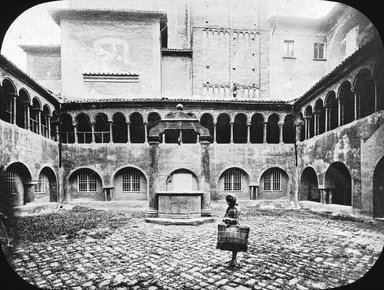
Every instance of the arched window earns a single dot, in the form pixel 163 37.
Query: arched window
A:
pixel 379 82
pixel 320 117
pixel 67 134
pixel 119 128
pixel 206 120
pixel 84 185
pixel 84 128
pixel 223 127
pixel 137 134
pixel 54 123
pixel 273 130
pixel 240 129
pixel 301 127
pixel 347 103
pixel 102 134
pixel 129 184
pixel 257 128
pixel 365 90
pixel 332 110
pixel 232 180
pixel 35 116
pixel 22 109
pixel 45 116
pixel 309 124
pixel 273 184
pixel 288 130
pixel 7 104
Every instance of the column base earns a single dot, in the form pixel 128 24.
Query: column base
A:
pixel 151 213
pixel 206 212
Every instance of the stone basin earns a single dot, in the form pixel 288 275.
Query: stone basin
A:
pixel 179 205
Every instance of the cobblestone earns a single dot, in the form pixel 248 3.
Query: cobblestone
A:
pixel 286 251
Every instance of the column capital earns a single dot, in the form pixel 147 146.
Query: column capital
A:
pixel 281 123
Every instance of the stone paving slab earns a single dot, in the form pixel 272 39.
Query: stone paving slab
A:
pixel 286 251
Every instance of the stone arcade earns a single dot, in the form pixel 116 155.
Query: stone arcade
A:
pixel 275 108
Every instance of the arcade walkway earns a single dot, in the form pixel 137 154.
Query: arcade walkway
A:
pixel 288 249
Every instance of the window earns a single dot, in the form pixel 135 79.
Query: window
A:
pixel 272 180
pixel 131 181
pixel 289 48
pixel 319 50
pixel 41 186
pixel 10 182
pixel 232 180
pixel 86 182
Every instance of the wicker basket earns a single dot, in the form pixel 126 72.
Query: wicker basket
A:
pixel 232 238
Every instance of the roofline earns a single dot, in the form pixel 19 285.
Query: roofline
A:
pixel 58 13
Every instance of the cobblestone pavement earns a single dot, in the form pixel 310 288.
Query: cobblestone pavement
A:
pixel 286 251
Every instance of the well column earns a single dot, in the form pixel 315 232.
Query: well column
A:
pixel 205 178
pixel 153 176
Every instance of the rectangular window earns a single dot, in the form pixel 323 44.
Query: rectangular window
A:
pixel 319 50
pixel 131 182
pixel 41 186
pixel 10 182
pixel 272 181
pixel 289 48
pixel 232 180
pixel 86 182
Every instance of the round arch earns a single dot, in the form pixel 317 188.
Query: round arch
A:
pixel 309 186
pixel 234 180
pixel 183 180
pixel 47 189
pixel 274 183
pixel 84 184
pixel 129 183
pixel 378 189
pixel 338 183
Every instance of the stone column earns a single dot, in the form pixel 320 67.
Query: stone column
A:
pixel 29 191
pixel 49 127
pixel 248 133
pixel 298 129
pixel 38 121
pixel 330 191
pixel 327 119
pixel 265 132
pixel 57 132
pixel 339 113
pixel 214 133
pixel 128 132
pixel 306 125
pixel 93 132
pixel 356 100
pixel 205 179
pixel 322 195
pixel 75 133
pixel 153 178
pixel 26 116
pixel 256 192
pixel 145 132
pixel 281 124
pixel 231 133
pixel 316 119
pixel 13 120
pixel 110 131
pixel 376 96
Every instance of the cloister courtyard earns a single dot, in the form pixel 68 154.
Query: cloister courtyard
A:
pixel 86 247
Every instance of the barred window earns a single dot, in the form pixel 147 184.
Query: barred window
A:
pixel 41 186
pixel 86 182
pixel 131 181
pixel 10 182
pixel 272 180
pixel 232 180
pixel 319 50
pixel 289 50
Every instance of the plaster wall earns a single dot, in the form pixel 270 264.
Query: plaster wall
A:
pixel 176 74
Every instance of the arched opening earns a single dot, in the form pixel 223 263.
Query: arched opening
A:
pixel 320 117
pixel 234 181
pixel 137 134
pixel 378 189
pixel 332 109
pixel 365 90
pixel 129 184
pixel 84 129
pixel 46 188
pixel 338 184
pixel 119 128
pixel 22 109
pixel 85 185
pixel 273 130
pixel 182 180
pixel 206 120
pixel 102 134
pixel 309 124
pixel 301 127
pixel 379 81
pixel 15 186
pixel 35 116
pixel 347 103
pixel 67 134
pixel 240 129
pixel 9 92
pixel 257 128
pixel 223 127
pixel 273 184
pixel 309 188
pixel 288 130
pixel 54 123
pixel 45 116
pixel 153 120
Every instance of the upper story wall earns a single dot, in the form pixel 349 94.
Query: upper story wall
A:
pixel 97 48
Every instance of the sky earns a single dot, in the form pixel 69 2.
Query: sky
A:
pixel 36 27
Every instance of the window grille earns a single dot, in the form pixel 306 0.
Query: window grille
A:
pixel 10 185
pixel 319 50
pixel 86 182
pixel 131 181
pixel 272 180
pixel 289 48
pixel 41 186
pixel 232 180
